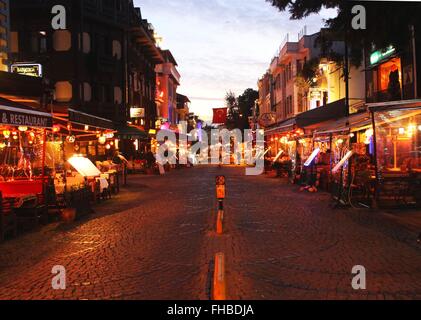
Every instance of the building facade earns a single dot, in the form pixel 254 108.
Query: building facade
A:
pixel 4 35
pixel 143 56
pixel 286 90
pixel 183 107
pixel 168 80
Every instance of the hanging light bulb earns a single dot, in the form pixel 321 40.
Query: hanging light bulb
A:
pixel 56 128
pixel 102 139
pixel 6 134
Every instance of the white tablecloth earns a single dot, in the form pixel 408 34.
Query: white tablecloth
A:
pixel 103 184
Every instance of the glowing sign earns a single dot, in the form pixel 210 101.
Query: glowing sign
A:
pixel 381 54
pixel 27 69
pixel 312 157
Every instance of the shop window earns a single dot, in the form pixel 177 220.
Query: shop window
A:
pixel 62 40
pixel 390 79
pixel 398 141
pixel 86 42
pixel 117 49
pixel 64 91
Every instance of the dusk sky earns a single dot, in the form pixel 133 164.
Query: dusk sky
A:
pixel 222 45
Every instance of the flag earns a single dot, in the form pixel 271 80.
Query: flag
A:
pixel 220 116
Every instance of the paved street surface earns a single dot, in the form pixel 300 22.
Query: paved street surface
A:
pixel 156 240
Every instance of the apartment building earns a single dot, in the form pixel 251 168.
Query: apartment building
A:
pixel 168 80
pixel 4 35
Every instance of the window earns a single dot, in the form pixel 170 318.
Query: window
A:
pixel 62 40
pixel 64 91
pixel 116 49
pixel 118 97
pixel 87 91
pixel 14 42
pixel 86 42
pixel 38 42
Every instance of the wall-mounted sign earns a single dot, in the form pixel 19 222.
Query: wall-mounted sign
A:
pixel 137 113
pixel 27 69
pixel 380 55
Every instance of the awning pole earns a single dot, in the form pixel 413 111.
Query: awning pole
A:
pixel 44 148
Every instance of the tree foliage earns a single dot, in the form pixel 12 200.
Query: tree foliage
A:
pixel 240 108
pixel 388 23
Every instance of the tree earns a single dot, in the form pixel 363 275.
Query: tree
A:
pixel 246 103
pixel 240 108
pixel 388 23
pixel 233 115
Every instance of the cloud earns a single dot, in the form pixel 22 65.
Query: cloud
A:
pixel 222 45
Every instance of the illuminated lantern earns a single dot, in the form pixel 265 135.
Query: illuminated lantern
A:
pixel 419 128
pixel 71 139
pixel 102 139
pixel 107 146
pixel 6 134
pixel 56 128
pixel 23 129
pixel 69 127
pixel 32 135
pixel 401 130
pixel 86 128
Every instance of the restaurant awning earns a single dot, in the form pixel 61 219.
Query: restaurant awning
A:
pixel 14 114
pixel 89 120
pixel 131 132
pixel 353 123
pixel 281 127
pixel 334 110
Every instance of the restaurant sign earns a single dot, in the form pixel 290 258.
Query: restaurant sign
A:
pixel 137 113
pixel 26 118
pixel 380 55
pixel 27 69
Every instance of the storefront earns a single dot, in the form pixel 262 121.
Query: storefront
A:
pixel 397 137
pixel 281 144
pixel 23 174
pixel 80 135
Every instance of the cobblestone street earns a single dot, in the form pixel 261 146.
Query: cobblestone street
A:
pixel 156 240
